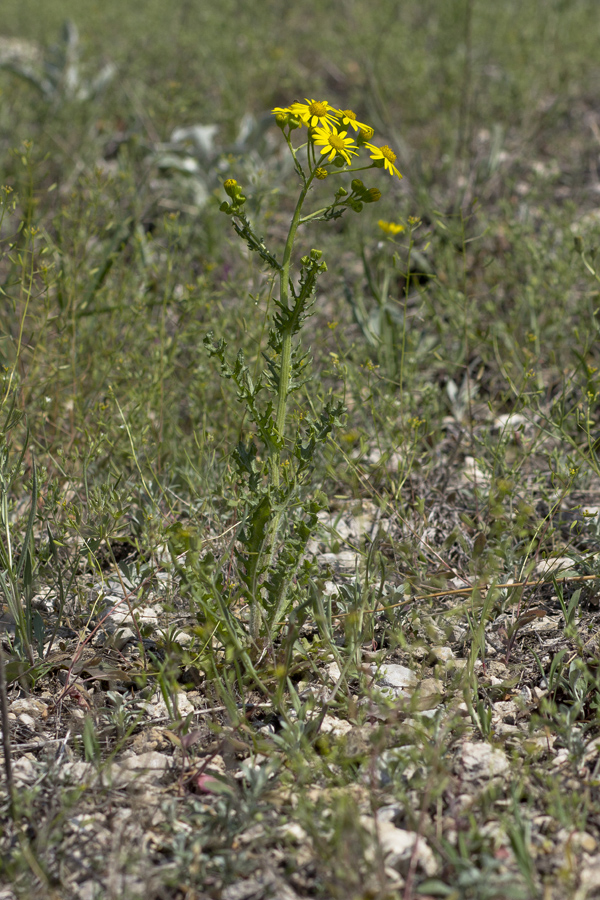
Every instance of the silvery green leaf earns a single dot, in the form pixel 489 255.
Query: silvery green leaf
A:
pixel 44 85
pixel 247 126
pixel 374 322
pixel 17 50
pixel 186 164
pixel 202 136
pixel 199 191
pixel 95 85
pixel 251 131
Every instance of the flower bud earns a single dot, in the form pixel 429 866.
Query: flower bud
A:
pixel 372 195
pixel 232 188
pixel 341 192
pixel 339 161
pixel 357 185
pixel 356 205
pixel 365 134
pixel 321 173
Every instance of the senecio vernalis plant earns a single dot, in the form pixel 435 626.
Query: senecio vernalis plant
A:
pixel 278 520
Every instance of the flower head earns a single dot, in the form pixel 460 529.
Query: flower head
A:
pixel 321 173
pixel 335 144
pixel 315 113
pixel 384 157
pixel 390 227
pixel 284 115
pixel 348 117
pixel 372 195
pixel 281 111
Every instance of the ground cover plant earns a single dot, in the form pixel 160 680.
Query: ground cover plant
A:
pixel 299 564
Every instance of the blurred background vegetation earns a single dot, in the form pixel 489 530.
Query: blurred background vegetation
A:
pixel 491 110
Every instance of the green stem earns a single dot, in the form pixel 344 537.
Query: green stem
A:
pixel 286 357
pixel 286 347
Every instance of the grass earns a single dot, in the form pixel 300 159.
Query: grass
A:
pixel 460 482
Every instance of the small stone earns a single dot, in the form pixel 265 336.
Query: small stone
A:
pixel 395 676
pixel 496 669
pixel 145 615
pixel 458 664
pixel 481 760
pixel 589 879
pixel 539 742
pixel 431 691
pixel 577 840
pixel 121 638
pixel 505 711
pixel 473 474
pixel 398 846
pixel 510 422
pixel 441 654
pixel 292 831
pixel 25 771
pixel 150 760
pixel 333 672
pixel 156 708
pixel 184 639
pixel 345 562
pixel 27 720
pixel 554 565
pixel 561 758
pixel 335 726
pixel 357 743
pixel 29 706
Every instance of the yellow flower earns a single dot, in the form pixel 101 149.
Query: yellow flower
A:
pixel 321 173
pixel 334 143
pixel 390 227
pixel 384 157
pixel 315 113
pixel 285 116
pixel 349 118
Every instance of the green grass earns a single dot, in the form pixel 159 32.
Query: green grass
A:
pixel 466 352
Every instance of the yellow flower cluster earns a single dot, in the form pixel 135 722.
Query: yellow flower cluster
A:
pixel 327 123
pixel 390 227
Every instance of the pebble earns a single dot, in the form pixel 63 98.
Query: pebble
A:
pixel 398 846
pixel 577 840
pixel 395 676
pixel 441 654
pixel 553 565
pixel 481 760
pixel 29 706
pixel 430 693
pixel 335 726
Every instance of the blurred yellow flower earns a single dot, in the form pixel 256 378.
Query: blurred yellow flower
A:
pixel 390 227
pixel 315 113
pixel 384 157
pixel 334 143
pixel 349 118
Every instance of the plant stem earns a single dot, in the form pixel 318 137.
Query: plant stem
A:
pixel 10 788
pixel 286 357
pixel 286 347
